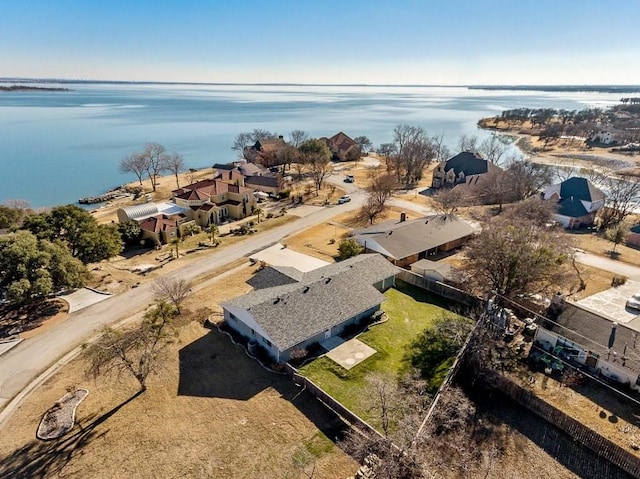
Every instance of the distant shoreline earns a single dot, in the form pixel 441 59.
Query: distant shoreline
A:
pixel 30 88
pixel 547 88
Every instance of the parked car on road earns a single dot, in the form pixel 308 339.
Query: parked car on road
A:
pixel 344 199
pixel 349 179
pixel 634 302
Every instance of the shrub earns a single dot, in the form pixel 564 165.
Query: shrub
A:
pixel 284 194
pixel 618 281
pixel 348 248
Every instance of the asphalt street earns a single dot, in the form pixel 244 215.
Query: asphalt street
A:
pixel 25 362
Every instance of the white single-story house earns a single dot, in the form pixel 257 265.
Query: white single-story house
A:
pixel 603 346
pixel 290 310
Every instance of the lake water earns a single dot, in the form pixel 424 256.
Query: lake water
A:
pixel 56 147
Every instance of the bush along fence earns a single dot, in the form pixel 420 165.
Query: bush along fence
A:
pixel 602 446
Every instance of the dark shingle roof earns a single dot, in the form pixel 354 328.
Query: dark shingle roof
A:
pixel 292 313
pixel 571 207
pixel 593 333
pixel 271 276
pixel 580 189
pixel 467 162
pixel 401 239
pixel 271 181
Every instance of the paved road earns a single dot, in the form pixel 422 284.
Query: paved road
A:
pixel 21 365
pixel 607 264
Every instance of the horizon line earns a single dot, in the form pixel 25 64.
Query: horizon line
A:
pixel 162 82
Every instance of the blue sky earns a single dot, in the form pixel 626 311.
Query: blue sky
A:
pixel 324 41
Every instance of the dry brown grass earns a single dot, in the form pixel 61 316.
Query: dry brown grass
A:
pixel 210 412
pixel 597 245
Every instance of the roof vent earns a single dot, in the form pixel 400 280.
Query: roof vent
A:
pixel 426 222
pixel 327 281
pixel 390 232
pixel 276 301
pixel 306 289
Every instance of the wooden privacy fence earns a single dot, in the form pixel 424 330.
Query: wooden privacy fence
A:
pixel 441 289
pixel 625 460
pixel 329 401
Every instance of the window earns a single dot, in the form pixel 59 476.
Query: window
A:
pixel 233 317
pixel 266 341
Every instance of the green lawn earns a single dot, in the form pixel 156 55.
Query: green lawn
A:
pixel 410 311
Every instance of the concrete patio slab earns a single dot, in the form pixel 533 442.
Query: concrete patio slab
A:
pixel 83 298
pixel 612 302
pixel 350 353
pixel 279 255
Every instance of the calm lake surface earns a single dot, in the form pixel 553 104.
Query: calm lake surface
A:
pixel 56 147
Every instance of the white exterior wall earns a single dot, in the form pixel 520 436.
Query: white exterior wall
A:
pixel 245 325
pixel 565 221
pixel 616 372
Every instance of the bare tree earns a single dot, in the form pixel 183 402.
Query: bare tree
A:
pixel 516 258
pixel 172 290
pixel 134 163
pixel 447 201
pixel 397 408
pixel 468 143
pixel 297 138
pixel 364 144
pixel 388 151
pixel 527 178
pixel 318 158
pixel 135 351
pixel 370 210
pixel 155 160
pixel 440 149
pixel 622 198
pixel 241 141
pixel 493 149
pixel 495 187
pixel 414 153
pixel 175 164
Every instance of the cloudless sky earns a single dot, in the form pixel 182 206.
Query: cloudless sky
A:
pixel 324 41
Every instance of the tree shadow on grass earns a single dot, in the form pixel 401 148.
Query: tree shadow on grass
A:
pixel 49 458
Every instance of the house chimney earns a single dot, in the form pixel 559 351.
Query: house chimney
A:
pixel 403 217
pixel 281 137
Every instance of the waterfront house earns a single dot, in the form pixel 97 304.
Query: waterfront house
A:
pixel 465 168
pixel 578 202
pixel 214 201
pixel 343 147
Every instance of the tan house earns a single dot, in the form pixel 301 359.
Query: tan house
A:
pixel 342 147
pixel 214 201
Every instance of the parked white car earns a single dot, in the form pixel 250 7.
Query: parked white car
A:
pixel 344 199
pixel 634 302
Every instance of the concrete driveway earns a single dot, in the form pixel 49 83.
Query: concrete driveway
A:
pixel 280 255
pixel 612 302
pixel 83 298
